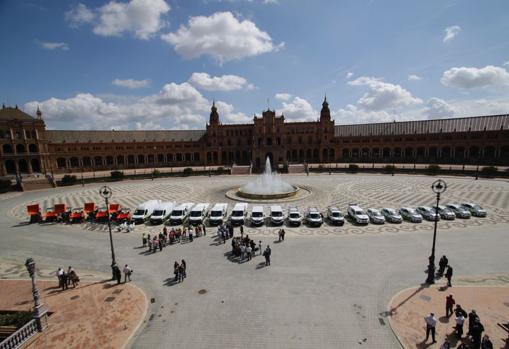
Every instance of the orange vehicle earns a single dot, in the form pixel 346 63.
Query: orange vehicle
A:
pixel 89 210
pixel 124 215
pixel 34 211
pixel 50 215
pixel 77 216
pixel 62 212
pixel 101 214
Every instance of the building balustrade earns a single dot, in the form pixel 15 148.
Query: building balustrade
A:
pixel 18 338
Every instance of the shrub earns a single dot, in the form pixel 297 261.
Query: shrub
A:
pixel 433 169
pixel 117 175
pixel 353 168
pixel 68 179
pixel 156 173
pixel 220 170
pixel 188 171
pixel 320 168
pixel 390 168
pixel 5 185
pixel 489 171
pixel 17 318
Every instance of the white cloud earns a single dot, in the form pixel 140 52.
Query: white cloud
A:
pixel 221 36
pixel 348 75
pixel 175 106
pixel 148 126
pixel 131 83
pixel 506 64
pixel 142 18
pixel 54 45
pixel 78 15
pixel 451 32
pixel 438 108
pixel 206 82
pixel 351 114
pixel 283 96
pixel 482 106
pixel 298 109
pixel 414 77
pixel 382 95
pixel 471 77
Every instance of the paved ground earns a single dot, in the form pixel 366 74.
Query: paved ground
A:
pixel 93 315
pixel 326 288
pixel 409 308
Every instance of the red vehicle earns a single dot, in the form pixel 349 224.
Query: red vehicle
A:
pixel 34 211
pixel 50 215
pixel 89 210
pixel 101 214
pixel 62 212
pixel 77 216
pixel 114 210
pixel 124 215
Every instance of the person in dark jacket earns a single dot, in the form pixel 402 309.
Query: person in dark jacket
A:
pixel 449 303
pixel 442 265
pixel 117 273
pixel 448 275
pixel 476 333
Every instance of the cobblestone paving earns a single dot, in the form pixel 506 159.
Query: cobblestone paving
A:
pixel 368 191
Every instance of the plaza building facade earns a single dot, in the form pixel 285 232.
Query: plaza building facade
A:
pixel 26 146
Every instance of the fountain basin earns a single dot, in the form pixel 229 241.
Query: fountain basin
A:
pixel 267 196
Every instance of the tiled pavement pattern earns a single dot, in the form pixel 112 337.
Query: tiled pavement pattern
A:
pixel 322 291
pixel 368 191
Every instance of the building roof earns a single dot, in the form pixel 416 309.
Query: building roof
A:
pixel 9 113
pixel 478 123
pixel 58 136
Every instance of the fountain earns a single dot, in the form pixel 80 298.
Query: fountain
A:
pixel 267 186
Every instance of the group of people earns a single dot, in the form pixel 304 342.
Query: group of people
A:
pixel 475 327
pixel 174 235
pixel 126 226
pixel 225 231
pixel 65 279
pixel 179 270
pixel 117 273
pixel 245 248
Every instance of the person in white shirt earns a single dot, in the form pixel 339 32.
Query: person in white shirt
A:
pixel 460 320
pixel 431 323
pixel 127 273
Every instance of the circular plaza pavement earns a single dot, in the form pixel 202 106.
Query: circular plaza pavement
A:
pixel 327 287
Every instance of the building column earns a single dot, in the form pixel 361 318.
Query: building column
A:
pixel 29 165
pixel 3 170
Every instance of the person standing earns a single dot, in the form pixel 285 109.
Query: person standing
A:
pixel 486 342
pixel 448 275
pixel 471 320
pixel 60 274
pixel 241 231
pixel 431 323
pixel 279 235
pixel 144 240
pixel 267 254
pixel 184 266
pixel 204 229
pixel 476 333
pixel 442 265
pixel 260 246
pixel 65 280
pixel 283 234
pixel 117 273
pixel 460 320
pixel 181 273
pixel 449 303
pixel 127 273
pixel 176 268
pixel 248 252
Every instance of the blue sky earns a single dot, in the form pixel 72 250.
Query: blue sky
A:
pixel 150 64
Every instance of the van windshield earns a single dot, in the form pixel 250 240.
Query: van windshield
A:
pixel 256 214
pixel 158 213
pixel 294 215
pixel 314 215
pixel 237 214
pixel 177 213
pixel 139 212
pixel 336 214
pixel 277 214
pixel 195 214
pixel 216 214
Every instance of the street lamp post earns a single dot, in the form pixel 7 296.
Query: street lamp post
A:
pixel 438 188
pixel 40 313
pixel 106 194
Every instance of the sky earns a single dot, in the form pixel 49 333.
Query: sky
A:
pixel 160 64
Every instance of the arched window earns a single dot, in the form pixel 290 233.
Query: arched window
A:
pixel 446 152
pixel 179 157
pixel 346 153
pixel 87 162
pixel 130 159
pixel 98 161
pixel 22 165
pixel 10 166
pixel 474 152
pixel 32 148
pixel 61 163
pixel 386 152
pixel 120 159
pixel 141 159
pixel 20 148
pixel 196 156
pixel 35 165
pixel 74 162
pixel 7 149
pixel 160 158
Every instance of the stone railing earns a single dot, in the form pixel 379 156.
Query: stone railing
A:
pixel 19 337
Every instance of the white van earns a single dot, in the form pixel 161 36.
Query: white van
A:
pixel 198 213
pixel 144 210
pixel 218 214
pixel 239 213
pixel 357 214
pixel 180 213
pixel 314 217
pixel 294 216
pixel 257 216
pixel 335 216
pixel 276 215
pixel 162 212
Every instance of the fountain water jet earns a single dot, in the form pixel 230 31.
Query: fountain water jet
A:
pixel 267 186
